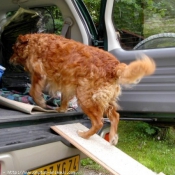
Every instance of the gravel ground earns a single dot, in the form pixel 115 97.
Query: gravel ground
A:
pixel 87 170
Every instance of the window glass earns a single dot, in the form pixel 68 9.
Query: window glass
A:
pixel 57 18
pixel 94 9
pixel 145 24
pixel 50 17
pixel 24 21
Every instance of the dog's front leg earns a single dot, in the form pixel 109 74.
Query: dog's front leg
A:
pixel 66 95
pixel 38 82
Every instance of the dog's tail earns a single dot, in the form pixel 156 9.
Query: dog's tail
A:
pixel 136 70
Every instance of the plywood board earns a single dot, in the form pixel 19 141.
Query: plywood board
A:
pixel 98 149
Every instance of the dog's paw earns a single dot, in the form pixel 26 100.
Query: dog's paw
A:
pixel 83 134
pixel 43 105
pixel 61 110
pixel 80 133
pixel 114 140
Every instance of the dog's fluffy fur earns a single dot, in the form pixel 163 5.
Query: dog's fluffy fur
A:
pixel 92 74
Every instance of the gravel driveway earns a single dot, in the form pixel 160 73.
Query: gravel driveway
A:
pixel 86 170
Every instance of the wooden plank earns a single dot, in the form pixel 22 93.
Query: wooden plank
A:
pixel 98 149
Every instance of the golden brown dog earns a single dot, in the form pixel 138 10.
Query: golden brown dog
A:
pixel 92 74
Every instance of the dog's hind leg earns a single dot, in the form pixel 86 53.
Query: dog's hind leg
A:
pixel 95 117
pixel 93 111
pixel 114 118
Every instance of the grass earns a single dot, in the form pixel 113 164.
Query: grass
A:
pixel 152 146
pixel 154 150
pixel 92 165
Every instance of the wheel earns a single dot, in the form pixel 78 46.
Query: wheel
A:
pixel 161 40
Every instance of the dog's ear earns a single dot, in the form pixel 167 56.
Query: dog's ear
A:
pixel 23 39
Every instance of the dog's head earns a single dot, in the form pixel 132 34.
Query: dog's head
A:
pixel 20 50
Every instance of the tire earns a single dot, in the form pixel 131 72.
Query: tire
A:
pixel 161 40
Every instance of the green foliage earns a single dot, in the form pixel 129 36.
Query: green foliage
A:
pixel 88 161
pixel 132 14
pixel 144 17
pixel 57 17
pixel 128 15
pixel 146 129
pixel 10 14
pixel 166 134
pixel 93 8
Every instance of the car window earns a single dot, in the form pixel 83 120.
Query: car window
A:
pixel 144 24
pixel 94 9
pixel 29 20
pixel 50 17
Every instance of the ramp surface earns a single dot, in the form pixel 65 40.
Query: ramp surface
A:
pixel 98 149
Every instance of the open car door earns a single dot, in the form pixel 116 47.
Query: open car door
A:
pixel 127 31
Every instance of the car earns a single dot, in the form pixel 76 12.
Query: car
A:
pixel 147 32
pixel 26 141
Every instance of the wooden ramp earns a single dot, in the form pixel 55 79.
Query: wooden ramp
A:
pixel 98 149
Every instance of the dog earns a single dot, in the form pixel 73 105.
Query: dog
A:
pixel 91 74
